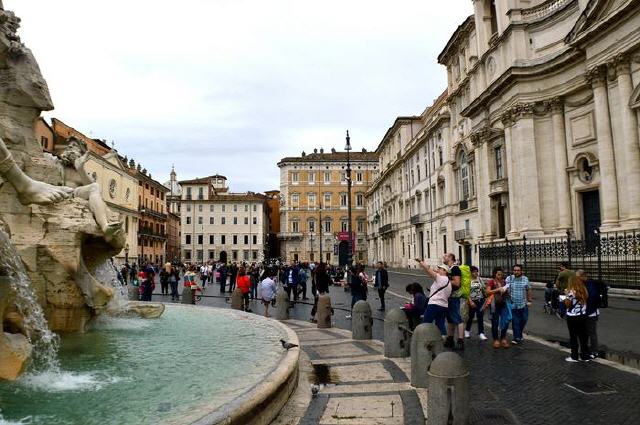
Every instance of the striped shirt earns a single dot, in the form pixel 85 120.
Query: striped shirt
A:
pixel 518 287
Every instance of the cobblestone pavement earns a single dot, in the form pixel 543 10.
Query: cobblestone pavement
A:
pixel 529 384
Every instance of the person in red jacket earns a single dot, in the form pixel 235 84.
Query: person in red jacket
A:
pixel 243 282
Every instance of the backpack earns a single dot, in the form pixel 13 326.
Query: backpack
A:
pixel 465 281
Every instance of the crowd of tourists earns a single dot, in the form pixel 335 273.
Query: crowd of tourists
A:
pixel 458 296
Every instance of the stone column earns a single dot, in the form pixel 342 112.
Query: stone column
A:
pixel 630 131
pixel 560 153
pixel 526 167
pixel 606 159
pixel 482 183
pixel 507 121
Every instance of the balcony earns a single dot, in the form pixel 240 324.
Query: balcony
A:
pixel 149 232
pixel 463 234
pixel 418 219
pixel 464 205
pixel 387 228
pixel 152 213
pixel 497 187
pixel 290 235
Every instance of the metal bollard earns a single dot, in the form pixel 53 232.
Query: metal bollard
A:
pixel 361 321
pixel 236 299
pixel 323 311
pixel 448 401
pixel 282 305
pixel 133 293
pixel 426 344
pixel 397 337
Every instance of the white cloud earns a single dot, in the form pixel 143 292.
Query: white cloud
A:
pixel 231 86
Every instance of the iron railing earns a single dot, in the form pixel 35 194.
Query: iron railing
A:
pixel 613 258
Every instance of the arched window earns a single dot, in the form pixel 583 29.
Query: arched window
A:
pixel 464 176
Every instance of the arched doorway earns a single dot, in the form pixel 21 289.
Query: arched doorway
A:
pixel 223 257
pixel 343 253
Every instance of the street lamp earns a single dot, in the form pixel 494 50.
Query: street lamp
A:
pixel 350 246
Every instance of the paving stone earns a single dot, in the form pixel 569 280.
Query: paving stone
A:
pixel 356 373
pixel 384 409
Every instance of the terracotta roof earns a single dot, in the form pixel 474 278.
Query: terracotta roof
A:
pixel 331 157
pixel 202 180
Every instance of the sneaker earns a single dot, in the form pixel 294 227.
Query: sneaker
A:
pixel 515 342
pixel 460 344
pixel 571 360
pixel 585 360
pixel 448 343
pixel 348 316
pixel 482 337
pixel 467 334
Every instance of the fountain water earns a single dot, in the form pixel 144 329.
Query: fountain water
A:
pixel 45 343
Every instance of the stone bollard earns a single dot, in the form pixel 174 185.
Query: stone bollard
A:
pixel 361 321
pixel 397 338
pixel 187 296
pixel 236 299
pixel 282 305
pixel 323 311
pixel 133 293
pixel 426 344
pixel 448 401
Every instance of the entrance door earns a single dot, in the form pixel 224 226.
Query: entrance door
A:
pixel 501 220
pixel 223 257
pixel 467 255
pixel 421 236
pixel 343 253
pixel 591 215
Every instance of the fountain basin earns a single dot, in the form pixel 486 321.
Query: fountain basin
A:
pixel 196 365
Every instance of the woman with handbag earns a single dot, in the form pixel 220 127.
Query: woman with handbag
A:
pixel 576 302
pixel 498 305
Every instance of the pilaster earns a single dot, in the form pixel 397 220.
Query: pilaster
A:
pixel 556 106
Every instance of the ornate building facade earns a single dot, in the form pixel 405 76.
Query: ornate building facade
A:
pixel 535 136
pixel 313 205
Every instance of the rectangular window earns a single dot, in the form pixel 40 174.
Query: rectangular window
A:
pixel 255 208
pixel 211 220
pixel 246 207
pixel 199 220
pixel 360 226
pixel 343 199
pixel 211 255
pixel 235 239
pixel 359 200
pixel 200 239
pixel 188 220
pixel 255 220
pixel 359 176
pixel 327 176
pixel 187 254
pixel 245 255
pixel 224 220
pixel 235 207
pixel 234 255
pixel 187 239
pixel 295 226
pixel 223 240
pixel 312 177
pixel 327 226
pixel 200 193
pixel 223 207
pixel 246 239
pixel 211 208
pixel 254 239
pixel 327 200
pixel 343 176
pixel 344 226
pixel 311 199
pixel 294 177
pixel 235 220
pixel 295 200
pixel 312 226
pixel 246 220
pixel 188 207
pixel 254 255
pixel 499 168
pixel 211 240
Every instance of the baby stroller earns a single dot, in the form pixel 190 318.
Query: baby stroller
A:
pixel 551 301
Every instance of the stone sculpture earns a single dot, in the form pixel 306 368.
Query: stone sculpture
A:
pixel 60 234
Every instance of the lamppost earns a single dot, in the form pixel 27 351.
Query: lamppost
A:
pixel 350 246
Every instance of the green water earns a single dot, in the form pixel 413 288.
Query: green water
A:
pixel 134 371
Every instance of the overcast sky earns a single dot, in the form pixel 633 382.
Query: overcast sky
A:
pixel 232 86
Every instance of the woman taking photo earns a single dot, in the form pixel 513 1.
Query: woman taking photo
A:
pixel 575 300
pixel 439 293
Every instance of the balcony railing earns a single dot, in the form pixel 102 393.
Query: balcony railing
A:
pixel 464 204
pixel 290 235
pixel 152 213
pixel 147 231
pixel 418 219
pixel 387 228
pixel 462 234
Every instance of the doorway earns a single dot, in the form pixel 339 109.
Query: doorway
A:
pixel 421 236
pixel 591 216
pixel 343 253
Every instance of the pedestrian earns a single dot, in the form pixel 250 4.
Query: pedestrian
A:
pixel 223 277
pixel 303 276
pixel 415 309
pixel 594 302
pixel 174 278
pixel 233 273
pixel 561 282
pixel 164 281
pixel 255 280
pixel 476 304
pixel 189 285
pixel 455 324
pixel 268 290
pixel 381 283
pixel 520 296
pixel 498 307
pixel 358 286
pixel 244 284
pixel 322 283
pixel 575 300
pixel 439 293
pixel 148 284
pixel 204 274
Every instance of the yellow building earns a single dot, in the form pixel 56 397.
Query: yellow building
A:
pixel 313 205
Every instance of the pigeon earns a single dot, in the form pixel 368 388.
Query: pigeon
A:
pixel 287 345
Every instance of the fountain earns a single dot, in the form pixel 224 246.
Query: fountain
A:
pixel 113 364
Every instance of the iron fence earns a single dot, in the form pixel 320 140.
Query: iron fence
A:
pixel 613 258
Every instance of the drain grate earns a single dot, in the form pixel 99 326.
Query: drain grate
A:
pixel 592 387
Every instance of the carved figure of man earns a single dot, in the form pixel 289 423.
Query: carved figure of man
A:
pixel 73 159
pixel 29 191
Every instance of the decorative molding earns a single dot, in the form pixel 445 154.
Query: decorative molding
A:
pixel 555 105
pixel 597 76
pixel 543 10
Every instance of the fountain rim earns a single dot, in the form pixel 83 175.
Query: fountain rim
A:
pixel 262 402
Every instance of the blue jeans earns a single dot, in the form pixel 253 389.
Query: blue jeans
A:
pixel 476 312
pixel 520 317
pixel 438 314
pixel 497 332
